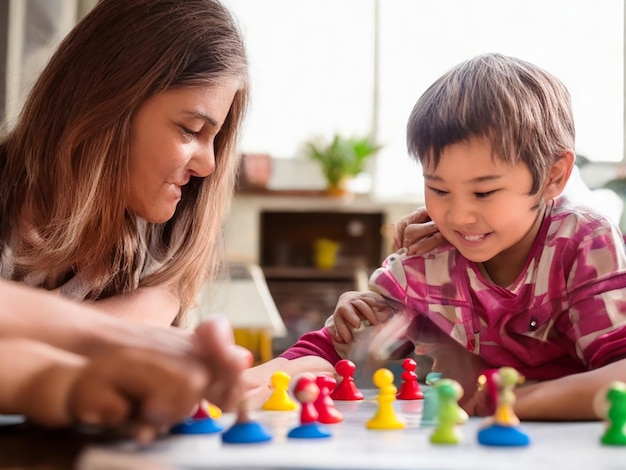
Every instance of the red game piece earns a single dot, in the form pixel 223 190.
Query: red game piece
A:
pixel 306 392
pixel 201 412
pixel 327 412
pixel 346 389
pixel 410 388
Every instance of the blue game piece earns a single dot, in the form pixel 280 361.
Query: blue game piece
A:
pixel 246 433
pixel 309 431
pixel 503 436
pixel 197 426
pixel 430 408
pixel 432 377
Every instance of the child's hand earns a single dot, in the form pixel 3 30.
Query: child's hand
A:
pixel 417 233
pixel 353 308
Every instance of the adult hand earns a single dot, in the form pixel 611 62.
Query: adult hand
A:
pixel 224 361
pixel 417 233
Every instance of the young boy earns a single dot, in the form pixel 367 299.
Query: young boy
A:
pixel 524 278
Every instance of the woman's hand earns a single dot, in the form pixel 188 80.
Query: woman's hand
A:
pixel 417 233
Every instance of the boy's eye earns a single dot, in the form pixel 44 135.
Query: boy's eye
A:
pixel 484 195
pixel 438 192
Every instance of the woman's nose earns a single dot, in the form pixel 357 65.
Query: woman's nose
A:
pixel 203 162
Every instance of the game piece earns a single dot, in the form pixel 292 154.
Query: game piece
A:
pixel 324 405
pixel 206 410
pixel 410 388
pixel 245 430
pixel 346 389
pixel 200 422
pixel 385 417
pixel 306 391
pixel 280 399
pixel 430 406
pixel 503 428
pixel 612 401
pixel 450 414
pixel 214 411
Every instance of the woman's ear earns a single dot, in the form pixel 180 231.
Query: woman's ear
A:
pixel 559 174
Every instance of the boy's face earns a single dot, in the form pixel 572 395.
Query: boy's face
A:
pixel 483 207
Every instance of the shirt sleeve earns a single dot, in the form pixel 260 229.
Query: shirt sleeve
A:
pixel 596 319
pixel 315 343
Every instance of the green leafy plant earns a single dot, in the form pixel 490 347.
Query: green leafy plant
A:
pixel 341 158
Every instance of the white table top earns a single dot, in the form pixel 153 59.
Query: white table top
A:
pixel 353 446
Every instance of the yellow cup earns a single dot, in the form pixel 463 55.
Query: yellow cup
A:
pixel 326 253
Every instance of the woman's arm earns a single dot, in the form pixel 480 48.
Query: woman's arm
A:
pixel 77 327
pixel 36 379
pixel 153 305
pixel 139 389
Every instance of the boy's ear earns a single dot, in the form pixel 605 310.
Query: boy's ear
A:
pixel 559 174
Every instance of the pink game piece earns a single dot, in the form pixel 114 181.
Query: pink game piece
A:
pixel 346 389
pixel 328 413
pixel 410 388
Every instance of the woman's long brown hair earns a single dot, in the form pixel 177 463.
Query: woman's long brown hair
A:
pixel 64 166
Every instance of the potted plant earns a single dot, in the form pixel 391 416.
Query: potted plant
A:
pixel 341 159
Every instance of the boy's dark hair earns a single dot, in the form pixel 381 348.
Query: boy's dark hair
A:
pixel 524 111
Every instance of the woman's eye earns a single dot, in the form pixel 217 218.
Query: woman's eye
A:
pixel 188 131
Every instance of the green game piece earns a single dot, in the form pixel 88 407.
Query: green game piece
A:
pixel 615 434
pixel 450 413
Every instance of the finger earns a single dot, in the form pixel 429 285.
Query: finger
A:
pixel 426 244
pixel 97 404
pixel 223 359
pixel 343 331
pixel 332 329
pixel 419 216
pixel 366 312
pixel 380 310
pixel 414 232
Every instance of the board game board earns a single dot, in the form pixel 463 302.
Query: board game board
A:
pixel 353 446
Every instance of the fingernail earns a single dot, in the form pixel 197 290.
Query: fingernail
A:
pixel 242 354
pixel 145 434
pixel 90 418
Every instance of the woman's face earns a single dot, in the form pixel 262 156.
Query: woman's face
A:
pixel 172 139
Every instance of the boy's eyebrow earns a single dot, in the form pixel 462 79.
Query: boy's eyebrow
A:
pixel 204 117
pixel 479 179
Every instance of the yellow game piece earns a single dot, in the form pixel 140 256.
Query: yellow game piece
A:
pixel 280 399
pixel 385 417
pixel 214 411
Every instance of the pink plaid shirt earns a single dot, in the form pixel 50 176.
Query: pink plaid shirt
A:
pixel 565 313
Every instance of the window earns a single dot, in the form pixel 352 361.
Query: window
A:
pixel 358 66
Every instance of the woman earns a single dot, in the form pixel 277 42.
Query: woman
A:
pixel 118 172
